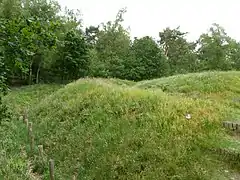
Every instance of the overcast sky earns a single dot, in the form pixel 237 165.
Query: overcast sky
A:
pixel 148 17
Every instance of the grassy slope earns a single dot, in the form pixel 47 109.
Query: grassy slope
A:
pixel 26 97
pixel 96 128
pixel 222 87
pixel 219 87
pixel 13 159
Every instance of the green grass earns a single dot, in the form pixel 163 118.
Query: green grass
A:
pixel 220 87
pixel 13 161
pixel 26 97
pixel 13 152
pixel 205 82
pixel 117 129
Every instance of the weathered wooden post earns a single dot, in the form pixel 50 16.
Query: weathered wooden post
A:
pixel 40 150
pixel 26 122
pixel 30 135
pixel 51 169
pixel 74 177
pixel 25 114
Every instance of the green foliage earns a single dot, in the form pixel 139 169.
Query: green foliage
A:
pixel 91 35
pixel 28 96
pixel 179 52
pixel 217 50
pixel 147 60
pixel 205 82
pixel 25 37
pixel 40 44
pixel 112 49
pixel 73 61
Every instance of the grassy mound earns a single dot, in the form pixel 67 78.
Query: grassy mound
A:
pixel 221 87
pixel 99 130
pixel 117 129
pixel 205 82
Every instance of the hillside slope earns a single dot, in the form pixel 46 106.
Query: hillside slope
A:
pixel 96 129
pixel 114 129
pixel 205 82
pixel 221 87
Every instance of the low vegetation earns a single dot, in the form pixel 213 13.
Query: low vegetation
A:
pixel 14 161
pixel 114 129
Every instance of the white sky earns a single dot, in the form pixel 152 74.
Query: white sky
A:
pixel 151 16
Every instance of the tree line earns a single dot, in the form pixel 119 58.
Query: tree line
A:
pixel 40 42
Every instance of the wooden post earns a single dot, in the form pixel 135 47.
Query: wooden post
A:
pixel 21 118
pixel 24 114
pixel 40 149
pixel 74 177
pixel 229 125
pixel 29 129
pixel 32 143
pixel 51 169
pixel 30 135
pixel 26 122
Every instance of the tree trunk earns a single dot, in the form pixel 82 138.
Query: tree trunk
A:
pixel 37 76
pixel 30 74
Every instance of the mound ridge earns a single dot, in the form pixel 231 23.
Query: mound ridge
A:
pixel 205 82
pixel 97 129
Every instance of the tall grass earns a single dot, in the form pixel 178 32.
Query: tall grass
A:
pixel 109 132
pixel 114 129
pixel 14 163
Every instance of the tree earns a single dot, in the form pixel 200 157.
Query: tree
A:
pixel 112 47
pixel 216 49
pixel 40 43
pixel 73 61
pixel 234 54
pixel 3 107
pixel 179 52
pixel 91 34
pixel 27 36
pixel 147 62
pixel 44 31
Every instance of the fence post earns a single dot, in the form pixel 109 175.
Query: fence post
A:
pixel 74 177
pixel 30 135
pixel 26 122
pixel 40 149
pixel 51 169
pixel 24 114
